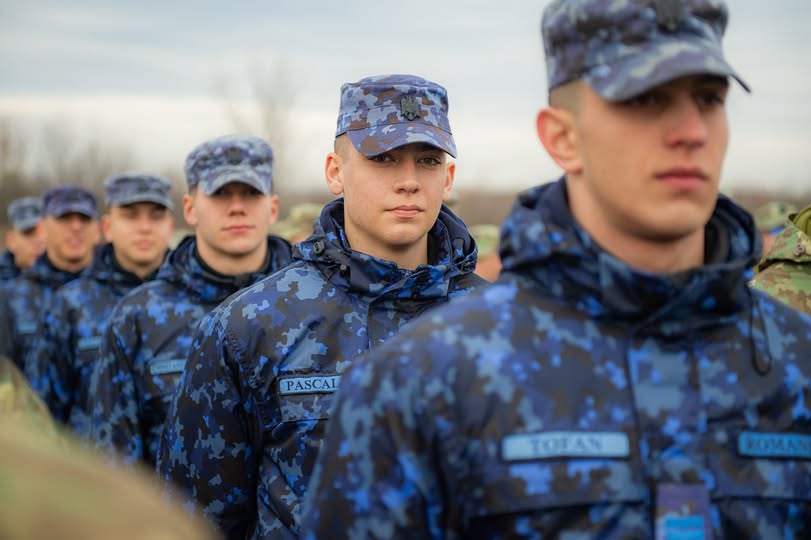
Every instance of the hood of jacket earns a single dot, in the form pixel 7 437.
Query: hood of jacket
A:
pixel 8 270
pixel 184 269
pixel 541 239
pixel 106 270
pixel 44 273
pixel 367 276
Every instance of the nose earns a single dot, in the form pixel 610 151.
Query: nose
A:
pixel 236 203
pixel 688 125
pixel 407 177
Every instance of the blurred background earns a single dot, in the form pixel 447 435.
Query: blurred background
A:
pixel 91 88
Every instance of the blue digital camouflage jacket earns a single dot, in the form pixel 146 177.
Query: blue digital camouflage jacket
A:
pixel 8 270
pixel 146 343
pixel 578 398
pixel 242 436
pixel 72 335
pixel 23 301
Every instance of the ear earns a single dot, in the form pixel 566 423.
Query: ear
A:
pixel 105 227
pixel 450 172
pixel 333 170
pixel 274 209
pixel 556 129
pixel 189 213
pixel 10 241
pixel 96 231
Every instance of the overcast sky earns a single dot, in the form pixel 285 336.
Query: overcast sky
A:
pixel 145 74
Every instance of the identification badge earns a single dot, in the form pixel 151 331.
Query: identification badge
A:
pixel 683 512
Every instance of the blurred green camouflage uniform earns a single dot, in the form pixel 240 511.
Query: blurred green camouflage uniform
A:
pixel 52 487
pixel 298 224
pixel 785 271
pixel 19 402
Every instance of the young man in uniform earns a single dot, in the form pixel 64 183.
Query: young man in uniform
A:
pixel 138 226
pixel 244 431
pixel 71 234
pixel 231 206
pixel 25 241
pixel 619 379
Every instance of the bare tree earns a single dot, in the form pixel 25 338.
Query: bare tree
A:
pixel 267 113
pixel 65 158
pixel 15 152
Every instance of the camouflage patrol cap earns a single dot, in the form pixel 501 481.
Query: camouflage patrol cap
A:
pixel 385 112
pixel 131 188
pixel 232 158
pixel 67 199
pixel 773 215
pixel 626 47
pixel 25 213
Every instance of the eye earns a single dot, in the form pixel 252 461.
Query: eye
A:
pixel 711 97
pixel 432 161
pixel 646 99
pixel 381 158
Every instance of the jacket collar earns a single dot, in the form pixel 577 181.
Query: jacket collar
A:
pixel 542 240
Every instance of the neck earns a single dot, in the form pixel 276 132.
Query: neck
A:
pixel 140 270
pixel 231 265
pixel 408 258
pixel 640 249
pixel 72 266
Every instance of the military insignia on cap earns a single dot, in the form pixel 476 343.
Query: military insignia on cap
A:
pixel 669 14
pixel 142 184
pixel 233 155
pixel 409 108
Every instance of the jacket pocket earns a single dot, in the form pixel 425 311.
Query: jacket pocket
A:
pixel 762 488
pixel 605 497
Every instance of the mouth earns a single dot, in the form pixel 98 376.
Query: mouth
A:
pixel 406 210
pixel 683 177
pixel 238 228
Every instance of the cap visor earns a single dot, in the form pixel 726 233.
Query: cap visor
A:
pixel 638 72
pixel 379 139
pixel 229 176
pixel 77 209
pixel 25 224
pixel 146 198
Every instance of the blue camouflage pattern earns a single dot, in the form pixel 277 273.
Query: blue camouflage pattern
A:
pixel 231 158
pixel 25 213
pixel 146 343
pixel 384 112
pixel 626 47
pixel 23 301
pixel 69 198
pixel 135 187
pixel 552 403
pixel 249 416
pixel 8 270
pixel 73 330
